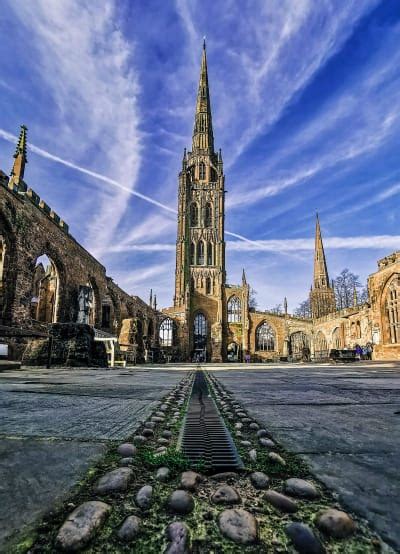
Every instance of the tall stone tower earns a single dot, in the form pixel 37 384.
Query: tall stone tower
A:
pixel 200 245
pixel 322 295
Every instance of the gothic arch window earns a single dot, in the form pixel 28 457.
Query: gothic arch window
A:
pixel 194 214
pixel 2 273
pixel 208 215
pixel 208 285
pixel 213 175
pixel 321 346
pixel 358 330
pixel 45 290
pixel 336 339
pixel 166 332
pixel 192 254
pixel 202 171
pixel 200 253
pixel 265 337
pixel 234 310
pixel 200 329
pixel 210 253
pixel 393 310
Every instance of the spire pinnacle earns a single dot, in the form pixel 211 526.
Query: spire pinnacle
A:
pixel 203 138
pixel 18 170
pixel 321 278
pixel 151 298
pixel 244 280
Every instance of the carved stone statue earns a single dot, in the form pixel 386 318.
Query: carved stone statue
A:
pixel 85 301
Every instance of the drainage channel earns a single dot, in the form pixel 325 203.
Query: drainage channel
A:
pixel 205 437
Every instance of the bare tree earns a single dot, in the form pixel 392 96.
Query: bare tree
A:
pixel 304 309
pixel 276 309
pixel 344 285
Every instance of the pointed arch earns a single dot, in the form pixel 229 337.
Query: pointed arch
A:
pixel 202 171
pixel 234 310
pixel 208 210
pixel 265 337
pixel 166 333
pixel 194 214
pixel 192 253
pixel 210 253
pixel 392 310
pixel 200 253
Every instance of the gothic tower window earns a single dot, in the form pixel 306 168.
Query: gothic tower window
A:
pixel 200 253
pixel 166 332
pixel 208 285
pixel 265 337
pixel 194 214
pixel 209 253
pixel 234 310
pixel 200 332
pixel 208 215
pixel 202 171
pixel 393 310
pixel 192 254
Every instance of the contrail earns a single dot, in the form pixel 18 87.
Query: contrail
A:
pixel 40 152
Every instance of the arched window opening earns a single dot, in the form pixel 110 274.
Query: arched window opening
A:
pixel 87 304
pixel 200 253
pixel 208 215
pixel 299 346
pixel 210 253
pixel 166 332
pixel 45 286
pixel 200 332
pixel 336 339
pixel 150 329
pixel 265 337
pixel 202 171
pixel 208 285
pixel 393 310
pixel 192 254
pixel 2 268
pixel 213 175
pixel 320 346
pixel 194 214
pixel 358 330
pixel 234 310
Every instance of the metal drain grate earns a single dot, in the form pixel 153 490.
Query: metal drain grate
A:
pixel 205 436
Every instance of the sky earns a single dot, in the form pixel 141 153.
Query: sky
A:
pixel 306 108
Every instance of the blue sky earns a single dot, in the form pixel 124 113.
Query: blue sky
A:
pixel 306 108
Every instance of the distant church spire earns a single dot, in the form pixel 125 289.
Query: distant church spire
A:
pixel 18 170
pixel 244 280
pixel 321 278
pixel 322 295
pixel 203 137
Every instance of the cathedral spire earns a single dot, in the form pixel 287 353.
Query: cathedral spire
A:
pixel 18 170
pixel 321 278
pixel 244 280
pixel 203 138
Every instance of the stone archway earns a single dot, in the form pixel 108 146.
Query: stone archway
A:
pixel 299 346
pixel 45 291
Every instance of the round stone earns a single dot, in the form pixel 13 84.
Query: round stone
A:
pixel 303 539
pixel 150 424
pixel 163 441
pixel 224 476
pixel 127 450
pixel 81 525
pixel 238 425
pixel 161 450
pixel 163 474
pixel 301 488
pixel 126 461
pixel 129 529
pixel 178 534
pixel 166 434
pixel 143 497
pixel 263 433
pixel 238 525
pixel 281 501
pixel 180 502
pixel 259 480
pixel 225 495
pixel 164 407
pixel 336 523
pixel 239 434
pixel 190 480
pixel 267 443
pixel 139 439
pixel 274 457
pixel 245 443
pixel 160 414
pixel 253 455
pixel 239 413
pixel 254 426
pixel 157 419
pixel 148 432
pixel 246 420
pixel 114 481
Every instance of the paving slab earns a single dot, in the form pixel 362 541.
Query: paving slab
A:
pixel 55 424
pixel 343 420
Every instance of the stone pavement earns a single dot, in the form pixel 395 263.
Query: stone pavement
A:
pixel 54 424
pixel 344 420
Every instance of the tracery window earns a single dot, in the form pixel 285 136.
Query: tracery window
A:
pixel 202 171
pixel 200 253
pixel 393 310
pixel 208 215
pixel 265 337
pixel 200 331
pixel 234 310
pixel 194 214
pixel 320 342
pixel 166 332
pixel 336 339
